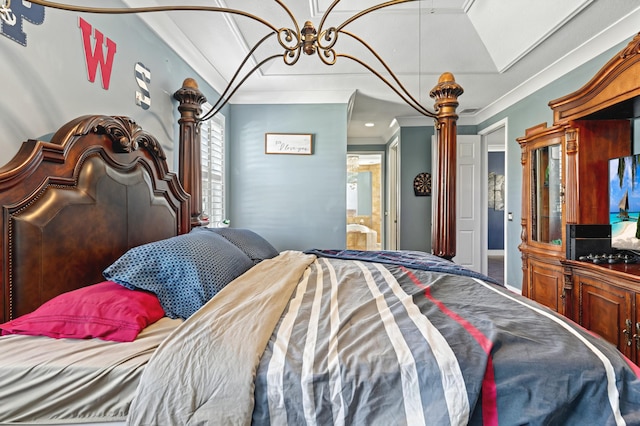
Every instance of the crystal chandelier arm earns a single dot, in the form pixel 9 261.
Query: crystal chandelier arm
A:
pixel 223 100
pixel 133 10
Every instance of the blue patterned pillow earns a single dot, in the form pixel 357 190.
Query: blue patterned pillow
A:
pixel 184 271
pixel 252 244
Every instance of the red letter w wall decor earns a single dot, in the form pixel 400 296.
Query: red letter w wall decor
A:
pixel 95 55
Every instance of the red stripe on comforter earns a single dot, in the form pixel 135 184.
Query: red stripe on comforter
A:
pixel 489 390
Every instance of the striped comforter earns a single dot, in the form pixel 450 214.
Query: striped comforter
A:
pixel 315 339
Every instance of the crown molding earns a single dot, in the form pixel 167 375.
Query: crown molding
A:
pixel 619 32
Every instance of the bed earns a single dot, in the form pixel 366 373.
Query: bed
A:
pixel 247 334
pixel 71 206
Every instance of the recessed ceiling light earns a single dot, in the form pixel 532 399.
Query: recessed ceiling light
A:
pixel 369 124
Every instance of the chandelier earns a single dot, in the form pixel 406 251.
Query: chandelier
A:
pixel 295 41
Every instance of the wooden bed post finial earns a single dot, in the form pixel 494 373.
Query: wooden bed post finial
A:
pixel 191 99
pixel 443 229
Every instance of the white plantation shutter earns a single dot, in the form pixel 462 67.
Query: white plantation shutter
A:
pixel 212 151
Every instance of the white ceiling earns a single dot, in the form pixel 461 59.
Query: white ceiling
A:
pixel 498 50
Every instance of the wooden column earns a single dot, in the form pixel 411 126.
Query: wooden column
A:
pixel 443 228
pixel 569 193
pixel 191 99
pixel 526 191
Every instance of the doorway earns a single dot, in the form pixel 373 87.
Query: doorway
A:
pixel 494 142
pixel 392 215
pixel 364 201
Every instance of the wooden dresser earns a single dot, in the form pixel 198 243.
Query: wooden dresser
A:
pixel 565 182
pixel 607 299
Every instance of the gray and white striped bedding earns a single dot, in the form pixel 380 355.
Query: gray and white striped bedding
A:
pixel 301 339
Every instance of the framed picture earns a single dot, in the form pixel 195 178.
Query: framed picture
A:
pixel 288 143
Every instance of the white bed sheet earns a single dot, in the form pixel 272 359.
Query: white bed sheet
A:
pixel 71 381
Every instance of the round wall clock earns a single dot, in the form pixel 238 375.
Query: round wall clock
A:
pixel 422 184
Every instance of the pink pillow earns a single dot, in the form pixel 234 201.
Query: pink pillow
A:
pixel 107 311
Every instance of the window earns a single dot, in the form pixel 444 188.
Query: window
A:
pixel 212 151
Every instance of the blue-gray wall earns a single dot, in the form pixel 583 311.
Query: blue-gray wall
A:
pixel 294 201
pixel 45 83
pixel 415 212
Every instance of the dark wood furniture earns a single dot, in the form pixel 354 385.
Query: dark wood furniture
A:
pixel 607 298
pixel 590 126
pixel 72 206
pixel 565 181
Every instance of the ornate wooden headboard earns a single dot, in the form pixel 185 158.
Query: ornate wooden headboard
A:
pixel 72 206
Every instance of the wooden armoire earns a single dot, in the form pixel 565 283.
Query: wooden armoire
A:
pixel 565 182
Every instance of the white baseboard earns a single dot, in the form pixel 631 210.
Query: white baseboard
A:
pixel 513 289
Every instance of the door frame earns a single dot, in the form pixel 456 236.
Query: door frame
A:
pixel 392 211
pixel 484 134
pixel 382 155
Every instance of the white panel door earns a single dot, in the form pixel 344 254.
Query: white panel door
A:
pixel 393 207
pixel 469 203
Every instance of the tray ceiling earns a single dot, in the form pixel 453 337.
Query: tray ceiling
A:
pixel 499 51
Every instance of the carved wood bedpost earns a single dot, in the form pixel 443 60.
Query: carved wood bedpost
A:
pixel 190 169
pixel 443 228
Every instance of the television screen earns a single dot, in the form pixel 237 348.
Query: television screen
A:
pixel 624 202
